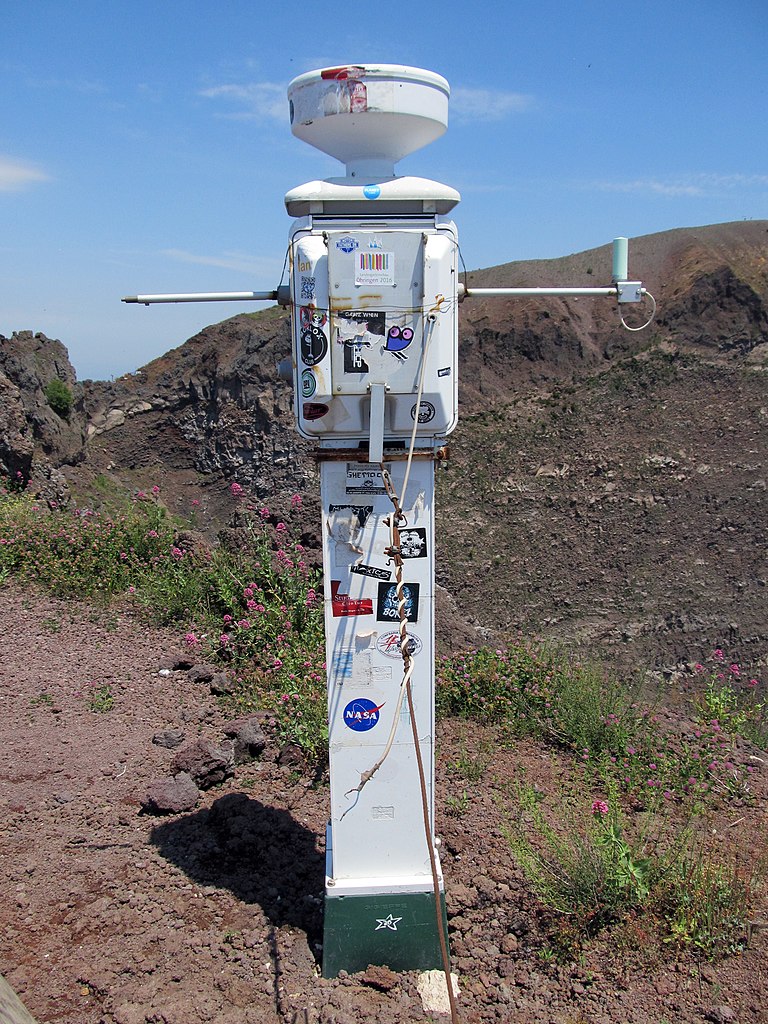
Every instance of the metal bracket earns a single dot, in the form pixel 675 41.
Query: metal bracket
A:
pixel 630 291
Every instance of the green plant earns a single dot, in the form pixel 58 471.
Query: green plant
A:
pixel 101 699
pixel 457 806
pixel 41 700
pixel 59 397
pixel 588 873
pixel 706 906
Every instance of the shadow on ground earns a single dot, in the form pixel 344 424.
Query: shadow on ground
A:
pixel 260 853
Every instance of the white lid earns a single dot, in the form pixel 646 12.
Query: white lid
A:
pixel 369 116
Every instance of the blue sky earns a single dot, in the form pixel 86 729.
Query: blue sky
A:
pixel 146 147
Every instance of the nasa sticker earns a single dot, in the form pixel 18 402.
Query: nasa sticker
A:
pixel 388 644
pixel 362 714
pixel 426 412
pixel 308 384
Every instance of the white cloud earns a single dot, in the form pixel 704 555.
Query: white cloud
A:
pixel 652 187
pixel 16 175
pixel 257 101
pixel 695 186
pixel 487 104
pixel 239 261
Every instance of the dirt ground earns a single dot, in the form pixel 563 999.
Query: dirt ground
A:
pixel 112 916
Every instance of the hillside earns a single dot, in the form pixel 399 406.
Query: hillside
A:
pixel 608 485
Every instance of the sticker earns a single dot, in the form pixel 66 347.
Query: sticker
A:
pixel 387 607
pixel 379 673
pixel 353 357
pixel 341 664
pixel 371 191
pixel 413 542
pixel 359 322
pixel 366 480
pixel 398 338
pixel 358 97
pixel 347 243
pixel 375 267
pixel 310 316
pixel 308 384
pixel 307 291
pixel 382 813
pixel 362 714
pixel 360 512
pixel 444 372
pixel 426 412
pixel 388 644
pixel 313 410
pixel 344 606
pixel 388 922
pixel 371 570
pixel 314 345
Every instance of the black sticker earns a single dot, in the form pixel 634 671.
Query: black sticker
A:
pixel 413 542
pixel 314 345
pixel 353 358
pixel 426 412
pixel 370 570
pixel 373 319
pixel 444 372
pixel 387 606
pixel 361 512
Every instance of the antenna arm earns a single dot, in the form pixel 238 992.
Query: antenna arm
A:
pixel 280 295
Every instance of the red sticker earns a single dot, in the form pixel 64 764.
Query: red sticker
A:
pixel 314 410
pixel 344 605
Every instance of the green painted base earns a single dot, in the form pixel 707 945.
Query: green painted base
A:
pixel 395 930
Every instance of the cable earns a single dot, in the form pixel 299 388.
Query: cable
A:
pixel 648 322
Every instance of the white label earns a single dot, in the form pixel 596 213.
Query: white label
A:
pixel 374 267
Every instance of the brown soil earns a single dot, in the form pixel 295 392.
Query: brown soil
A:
pixel 112 916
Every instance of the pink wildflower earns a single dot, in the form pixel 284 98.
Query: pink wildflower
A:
pixel 600 807
pixel 236 490
pixel 296 501
pixel 717 653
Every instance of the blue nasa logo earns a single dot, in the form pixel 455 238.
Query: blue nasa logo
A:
pixel 362 714
pixel 371 191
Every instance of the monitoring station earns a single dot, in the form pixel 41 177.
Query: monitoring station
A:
pixel 374 296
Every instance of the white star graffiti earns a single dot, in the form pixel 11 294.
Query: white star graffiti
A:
pixel 387 922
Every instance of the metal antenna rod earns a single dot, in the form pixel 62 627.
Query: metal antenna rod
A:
pixel 280 295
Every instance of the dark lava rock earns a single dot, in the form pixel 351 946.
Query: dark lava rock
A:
pixel 205 762
pixel 171 795
pixel 221 684
pixel 169 738
pixel 720 1015
pixel 248 737
pixel 201 673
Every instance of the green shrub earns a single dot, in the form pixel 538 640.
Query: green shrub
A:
pixel 59 397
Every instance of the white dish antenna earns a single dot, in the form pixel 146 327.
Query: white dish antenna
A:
pixel 369 116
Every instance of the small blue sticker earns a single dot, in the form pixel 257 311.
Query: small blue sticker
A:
pixel 362 714
pixel 371 191
pixel 347 243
